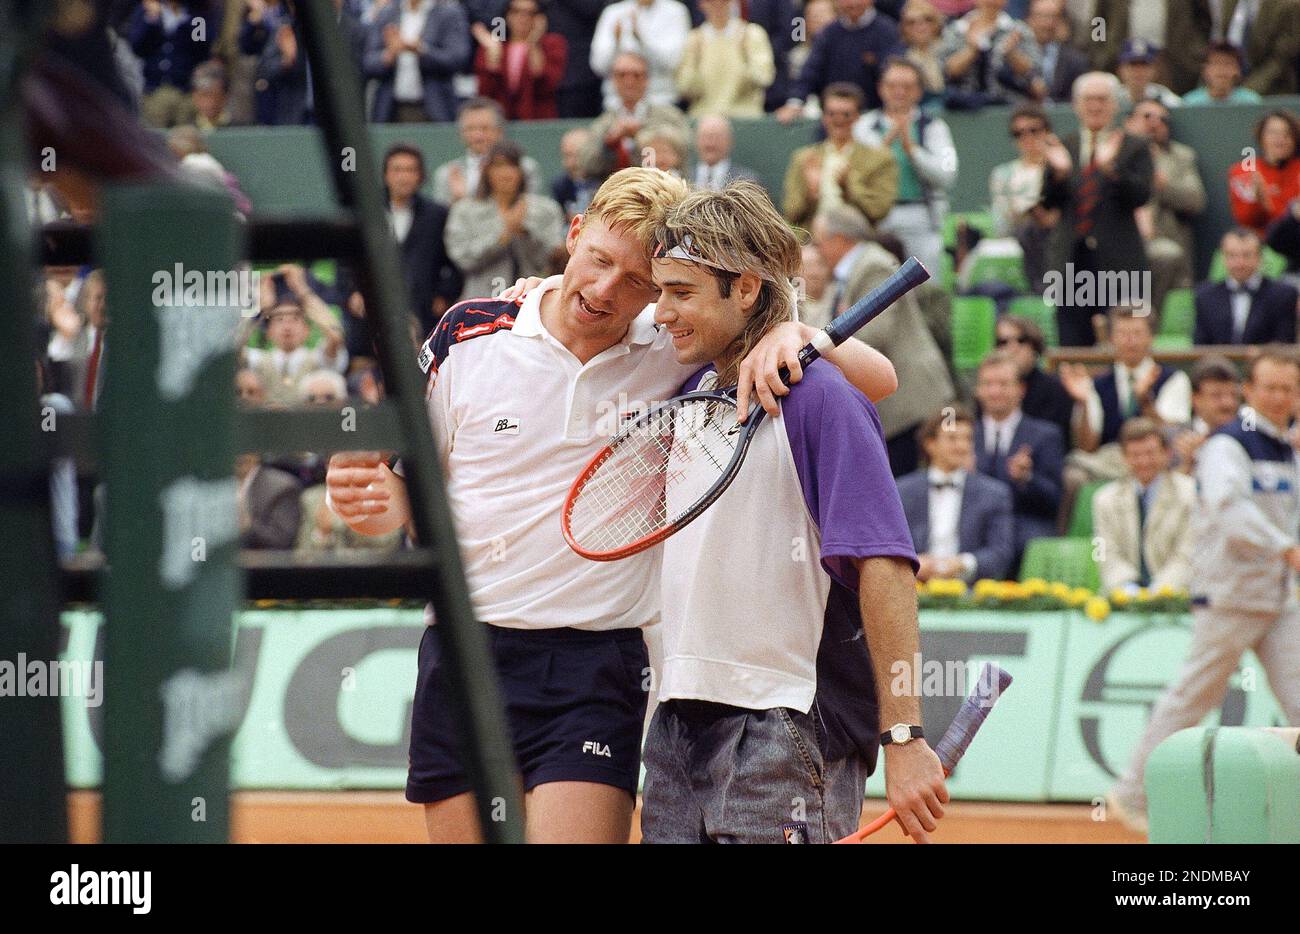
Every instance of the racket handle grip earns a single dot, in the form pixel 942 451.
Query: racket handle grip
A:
pixel 993 680
pixel 908 276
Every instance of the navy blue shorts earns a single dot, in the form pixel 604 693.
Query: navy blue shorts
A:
pixel 574 701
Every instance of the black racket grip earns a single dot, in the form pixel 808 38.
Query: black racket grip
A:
pixel 911 274
pixel 993 680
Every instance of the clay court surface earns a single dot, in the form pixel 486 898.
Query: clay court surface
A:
pixel 386 817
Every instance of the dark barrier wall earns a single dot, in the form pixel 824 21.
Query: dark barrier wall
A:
pixel 282 168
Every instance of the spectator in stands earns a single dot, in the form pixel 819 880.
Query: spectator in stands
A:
pixel 162 34
pixel 778 20
pixel 988 56
pixel 1061 62
pixel 817 15
pixel 1261 185
pixel 78 337
pixel 858 265
pixel 268 507
pixel 921 26
pixel 1022 340
pixel 1137 75
pixel 249 388
pixel 612 145
pixel 1097 178
pixel 1247 307
pixel 573 190
pixel 522 73
pixel 44 206
pixel 1015 196
pixel 1177 199
pixel 414 50
pixel 578 96
pixel 1134 385
pixel 727 64
pixel 841 170
pixel 851 49
pixel 656 30
pixel 1221 78
pixel 1024 452
pixel 714 169
pixel 1216 400
pixel 1265 31
pixel 271 33
pixel 1243 569
pixel 960 519
pixel 287 323
pixel 504 233
pixel 208 97
pixel 64 505
pixel 482 125
pixel 815 297
pixel 190 146
pixel 924 153
pixel 1142 522
pixel 419 225
pixel 1181 27
pixel 665 147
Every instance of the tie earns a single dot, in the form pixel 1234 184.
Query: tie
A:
pixel 1144 575
pixel 1131 407
pixel 92 369
pixel 1089 190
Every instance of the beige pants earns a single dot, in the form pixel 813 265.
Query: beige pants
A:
pixel 1219 637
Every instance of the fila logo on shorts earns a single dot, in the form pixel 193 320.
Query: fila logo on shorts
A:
pixel 596 749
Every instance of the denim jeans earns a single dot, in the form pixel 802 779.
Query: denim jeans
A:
pixel 721 774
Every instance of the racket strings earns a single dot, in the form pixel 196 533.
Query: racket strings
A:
pixel 654 473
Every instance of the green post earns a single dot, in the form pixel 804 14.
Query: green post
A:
pixel 167 440
pixel 33 801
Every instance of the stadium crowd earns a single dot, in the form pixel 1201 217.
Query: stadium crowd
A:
pixel 660 82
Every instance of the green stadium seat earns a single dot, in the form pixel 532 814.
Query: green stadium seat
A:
pixel 1040 311
pixel 947 274
pixel 1171 342
pixel 1009 270
pixel 973 325
pixel 1068 560
pixel 1178 316
pixel 1272 262
pixel 1081 517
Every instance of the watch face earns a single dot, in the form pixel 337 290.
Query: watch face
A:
pixel 899 733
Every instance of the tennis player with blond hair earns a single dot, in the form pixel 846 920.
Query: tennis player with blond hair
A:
pixel 521 395
pixel 770 714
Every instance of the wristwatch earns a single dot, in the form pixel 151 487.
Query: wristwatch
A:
pixel 900 734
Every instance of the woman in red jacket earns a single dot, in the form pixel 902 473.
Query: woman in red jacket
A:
pixel 1261 185
pixel 522 72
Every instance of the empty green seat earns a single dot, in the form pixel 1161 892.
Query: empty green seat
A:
pixel 1178 316
pixel 980 220
pixel 1068 560
pixel 1009 270
pixel 1081 517
pixel 973 324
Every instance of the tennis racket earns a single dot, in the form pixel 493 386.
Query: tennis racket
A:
pixel 993 680
pixel 670 464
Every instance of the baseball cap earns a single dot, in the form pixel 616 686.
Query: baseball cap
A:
pixel 1137 50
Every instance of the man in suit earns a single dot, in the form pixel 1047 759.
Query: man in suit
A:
pixel 1097 178
pixel 960 520
pixel 613 135
pixel 414 50
pixel 1024 452
pixel 924 386
pixel 714 168
pixel 1247 307
pixel 418 223
pixel 1182 28
pixel 840 170
pixel 482 124
pixel 1061 62
pixel 1265 31
pixel 572 190
pixel 1045 397
pixel 268 502
pixel 1141 521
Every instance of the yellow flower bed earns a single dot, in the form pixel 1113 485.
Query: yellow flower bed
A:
pixel 1037 595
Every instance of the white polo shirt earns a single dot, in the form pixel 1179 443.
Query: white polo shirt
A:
pixel 516 417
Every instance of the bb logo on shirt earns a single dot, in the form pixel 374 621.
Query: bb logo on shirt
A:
pixel 506 426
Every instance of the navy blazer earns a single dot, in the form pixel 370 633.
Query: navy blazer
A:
pixel 1036 502
pixel 448 49
pixel 1271 319
pixel 984 529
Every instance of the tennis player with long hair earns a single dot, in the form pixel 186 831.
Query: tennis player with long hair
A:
pixel 770 714
pixel 521 395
